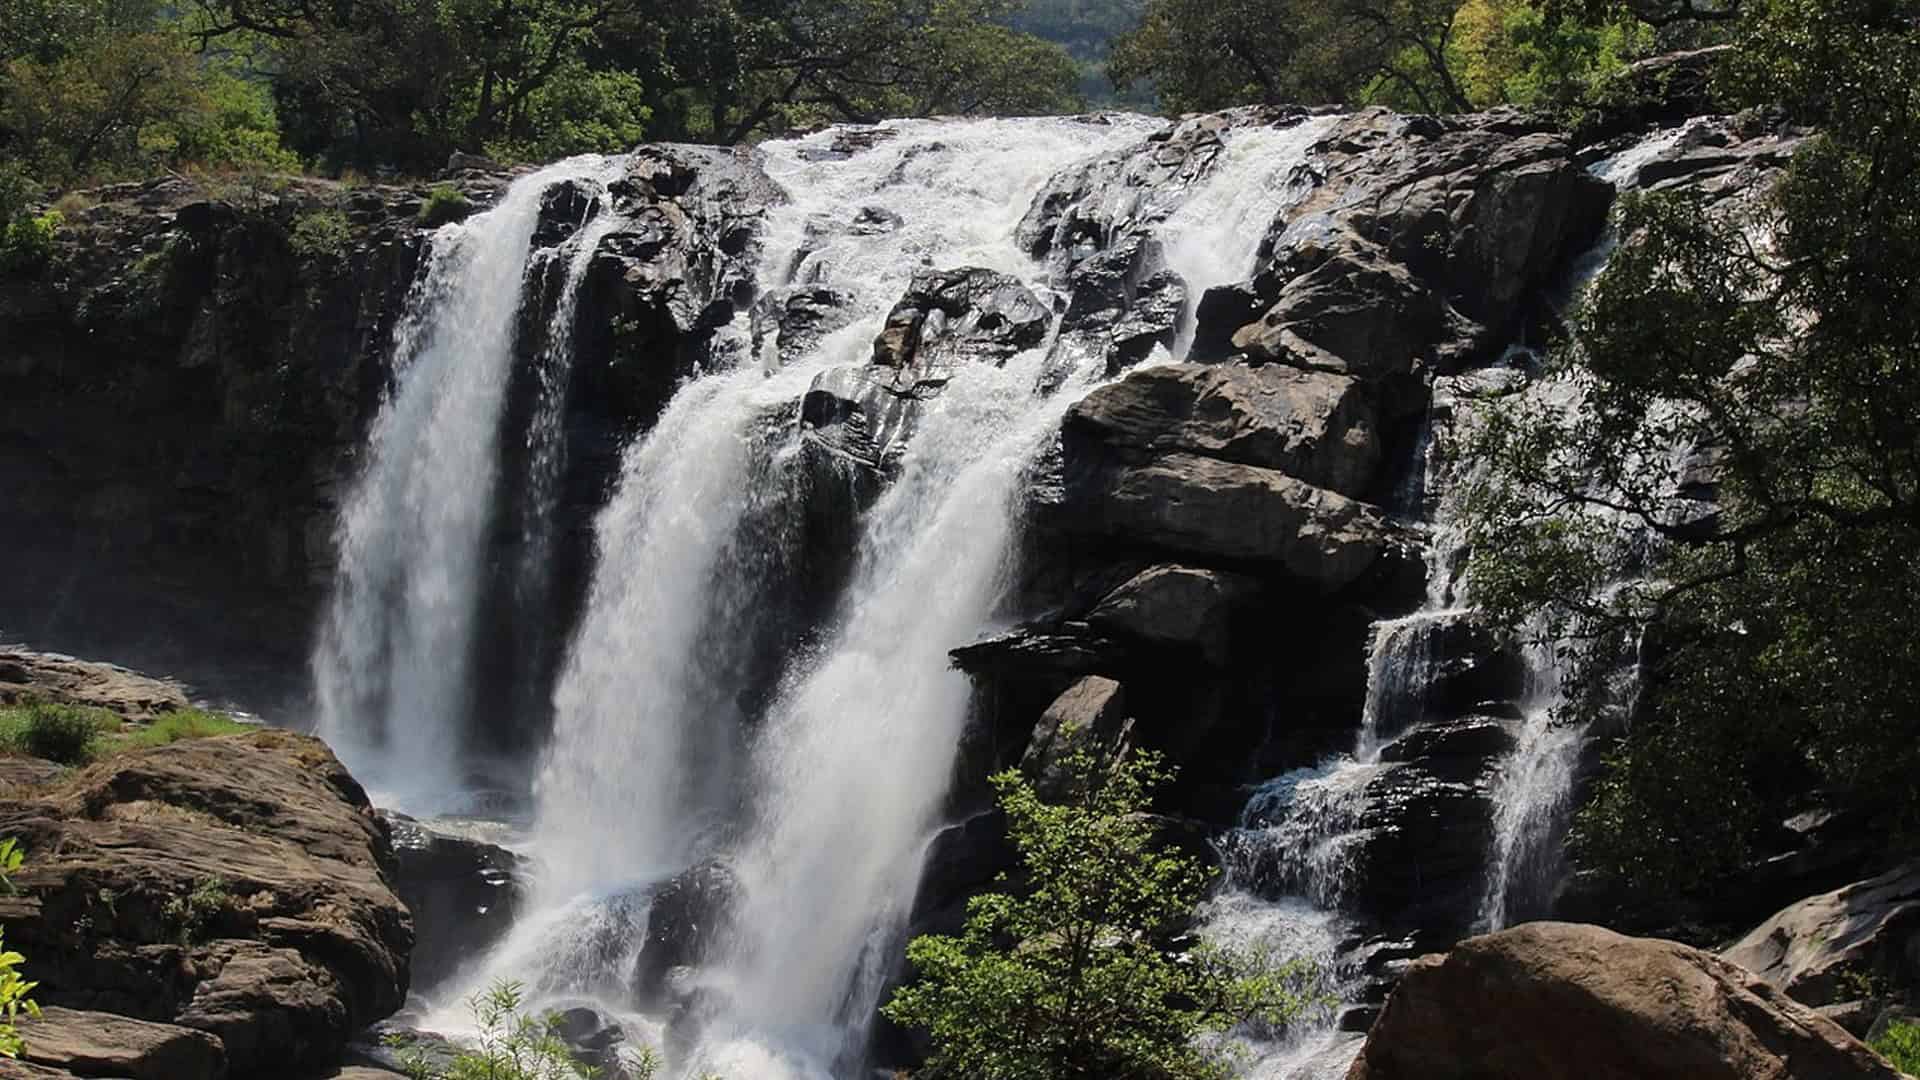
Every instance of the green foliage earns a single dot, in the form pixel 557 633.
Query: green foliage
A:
pixel 1900 1044
pixel 579 111
pixel 14 988
pixel 182 724
pixel 1078 975
pixel 321 236
pixel 512 1045
pixel 1510 52
pixel 190 915
pixel 26 237
pixel 68 734
pixel 1782 340
pixel 444 204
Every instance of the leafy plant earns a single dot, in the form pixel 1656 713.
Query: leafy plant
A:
pixel 1900 1044
pixel 445 203
pixel 512 1045
pixel 191 913
pixel 68 734
pixel 1081 973
pixel 321 235
pixel 14 988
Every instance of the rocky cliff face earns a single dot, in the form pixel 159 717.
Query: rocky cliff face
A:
pixel 232 895
pixel 1209 545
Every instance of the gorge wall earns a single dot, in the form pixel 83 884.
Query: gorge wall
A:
pixel 1141 426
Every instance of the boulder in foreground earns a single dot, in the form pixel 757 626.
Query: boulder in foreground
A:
pixel 239 886
pixel 1561 1001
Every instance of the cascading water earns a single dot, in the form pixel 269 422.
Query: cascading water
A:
pixel 822 816
pixel 1533 795
pixel 391 669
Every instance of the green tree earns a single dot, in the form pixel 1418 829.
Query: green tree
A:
pixel 1209 54
pixel 1512 52
pixel 1767 356
pixel 1077 976
pixel 14 989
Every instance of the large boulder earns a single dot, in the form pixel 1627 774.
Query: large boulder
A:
pixel 1092 715
pixel 101 1044
pixel 1547 1001
pixel 239 886
pixel 464 894
pixel 1176 606
pixel 1222 510
pixel 1314 426
pixel 685 918
pixel 1817 949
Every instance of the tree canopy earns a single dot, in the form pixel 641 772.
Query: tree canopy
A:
pixel 1745 383
pixel 1425 55
pixel 103 88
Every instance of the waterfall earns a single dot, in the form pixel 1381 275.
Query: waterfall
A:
pixel 392 665
pixel 1534 792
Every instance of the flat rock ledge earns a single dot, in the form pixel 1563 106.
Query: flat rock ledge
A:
pixel 212 908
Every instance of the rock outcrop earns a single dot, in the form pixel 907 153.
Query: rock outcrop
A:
pixel 239 887
pixel 1831 948
pixel 66 680
pixel 463 892
pixel 1561 1000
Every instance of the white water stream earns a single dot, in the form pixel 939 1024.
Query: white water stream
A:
pixel 392 667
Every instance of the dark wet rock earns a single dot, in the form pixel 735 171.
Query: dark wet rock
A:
pixel 1124 303
pixel 792 322
pixel 1096 205
pixel 947 320
pixel 1177 607
pixel 686 918
pixel 464 894
pixel 875 221
pixel 565 209
pixel 238 886
pixel 1062 651
pixel 953 317
pixel 1424 836
pixel 964 859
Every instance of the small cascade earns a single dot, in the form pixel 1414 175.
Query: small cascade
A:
pixel 1292 862
pixel 545 445
pixel 1534 793
pixel 392 666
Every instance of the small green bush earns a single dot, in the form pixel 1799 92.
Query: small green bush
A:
pixel 68 734
pixel 26 242
pixel 321 236
pixel 445 204
pixel 1900 1044
pixel 190 914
